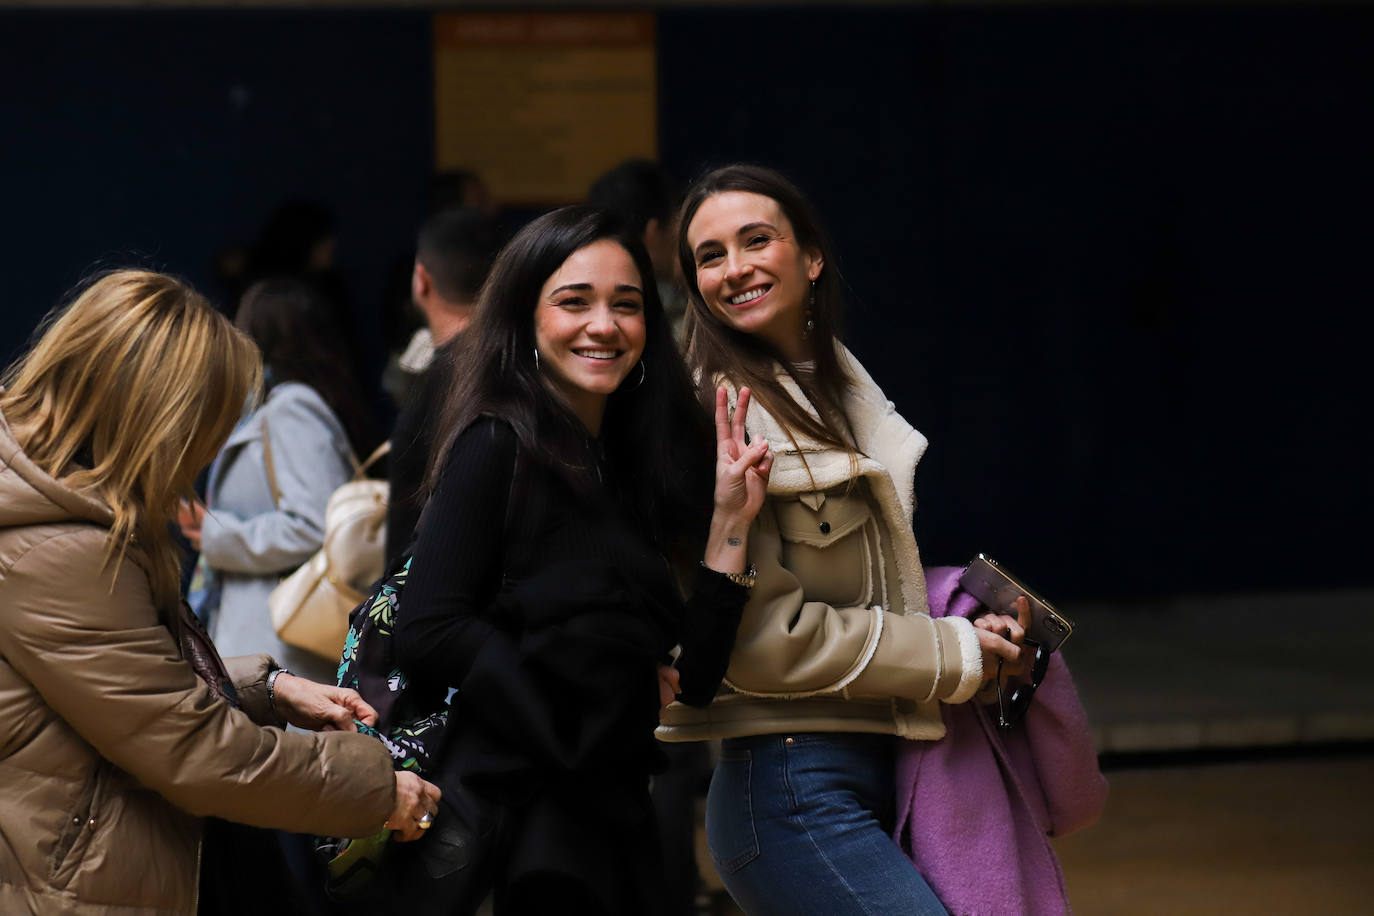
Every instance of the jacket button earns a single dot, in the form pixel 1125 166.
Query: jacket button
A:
pixel 91 822
pixel 76 820
pixel 788 741
pixel 825 527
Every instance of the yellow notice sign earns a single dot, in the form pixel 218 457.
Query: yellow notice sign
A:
pixel 540 104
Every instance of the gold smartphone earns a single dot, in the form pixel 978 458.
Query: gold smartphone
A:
pixel 995 586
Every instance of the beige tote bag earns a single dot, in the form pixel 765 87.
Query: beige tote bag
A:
pixel 310 607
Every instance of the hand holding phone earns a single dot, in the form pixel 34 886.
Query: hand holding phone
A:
pixel 997 589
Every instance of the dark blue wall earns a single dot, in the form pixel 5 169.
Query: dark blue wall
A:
pixel 161 138
pixel 1110 261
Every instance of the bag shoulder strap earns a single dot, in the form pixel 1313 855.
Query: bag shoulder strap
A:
pixel 360 470
pixel 267 460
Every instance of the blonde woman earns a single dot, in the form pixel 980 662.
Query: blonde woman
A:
pixel 112 749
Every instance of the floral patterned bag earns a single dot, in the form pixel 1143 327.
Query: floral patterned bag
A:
pixel 411 718
pixel 411 721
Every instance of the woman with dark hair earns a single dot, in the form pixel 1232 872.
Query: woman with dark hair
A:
pixel 575 463
pixel 268 488
pixel 295 326
pixel 837 652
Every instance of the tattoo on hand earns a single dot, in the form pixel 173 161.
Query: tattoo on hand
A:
pixel 734 542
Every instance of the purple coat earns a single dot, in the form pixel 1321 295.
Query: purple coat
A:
pixel 975 810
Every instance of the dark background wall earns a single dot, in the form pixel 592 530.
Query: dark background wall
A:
pixel 1111 261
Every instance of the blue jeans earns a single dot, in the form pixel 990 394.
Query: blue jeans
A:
pixel 801 824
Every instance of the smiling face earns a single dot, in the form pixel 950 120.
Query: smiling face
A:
pixel 589 327
pixel 750 270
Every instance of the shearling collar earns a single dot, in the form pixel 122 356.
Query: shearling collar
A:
pixel 889 449
pixel 888 445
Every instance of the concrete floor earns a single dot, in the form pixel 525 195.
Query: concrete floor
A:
pixel 1274 837
pixel 1283 837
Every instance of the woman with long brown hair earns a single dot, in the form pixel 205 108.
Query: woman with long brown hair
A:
pixel 836 655
pixel 112 748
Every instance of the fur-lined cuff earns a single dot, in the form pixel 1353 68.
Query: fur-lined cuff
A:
pixel 971 674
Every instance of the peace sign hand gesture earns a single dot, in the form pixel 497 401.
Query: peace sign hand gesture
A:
pixel 742 470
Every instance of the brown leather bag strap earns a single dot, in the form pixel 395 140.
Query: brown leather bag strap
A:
pixel 199 650
pixel 271 470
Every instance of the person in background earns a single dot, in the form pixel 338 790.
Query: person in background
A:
pixel 113 747
pixel 453 252
pixel 449 189
pixel 837 654
pixel 642 194
pixel 452 188
pixel 298 238
pixel 268 488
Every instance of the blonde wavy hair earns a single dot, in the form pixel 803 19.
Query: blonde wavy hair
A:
pixel 141 379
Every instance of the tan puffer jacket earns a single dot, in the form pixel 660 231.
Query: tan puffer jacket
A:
pixel 111 748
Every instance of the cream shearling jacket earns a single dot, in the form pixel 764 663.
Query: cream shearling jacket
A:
pixel 837 635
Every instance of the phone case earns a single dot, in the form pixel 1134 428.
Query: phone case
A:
pixel 996 588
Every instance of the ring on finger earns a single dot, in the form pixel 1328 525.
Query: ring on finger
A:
pixel 425 821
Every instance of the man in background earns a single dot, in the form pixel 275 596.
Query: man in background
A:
pixel 453 252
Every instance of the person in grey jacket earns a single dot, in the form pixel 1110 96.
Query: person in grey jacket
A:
pixel 269 486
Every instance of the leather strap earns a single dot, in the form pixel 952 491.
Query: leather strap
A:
pixel 360 470
pixel 267 460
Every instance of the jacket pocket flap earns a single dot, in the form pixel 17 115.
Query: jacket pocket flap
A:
pixel 837 517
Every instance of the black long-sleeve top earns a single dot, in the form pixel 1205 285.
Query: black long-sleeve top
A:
pixel 549 610
pixel 412 441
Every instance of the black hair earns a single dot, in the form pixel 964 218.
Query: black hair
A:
pixel 656 436
pixel 457 247
pixel 289 236
pixel 297 329
pixel 636 190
